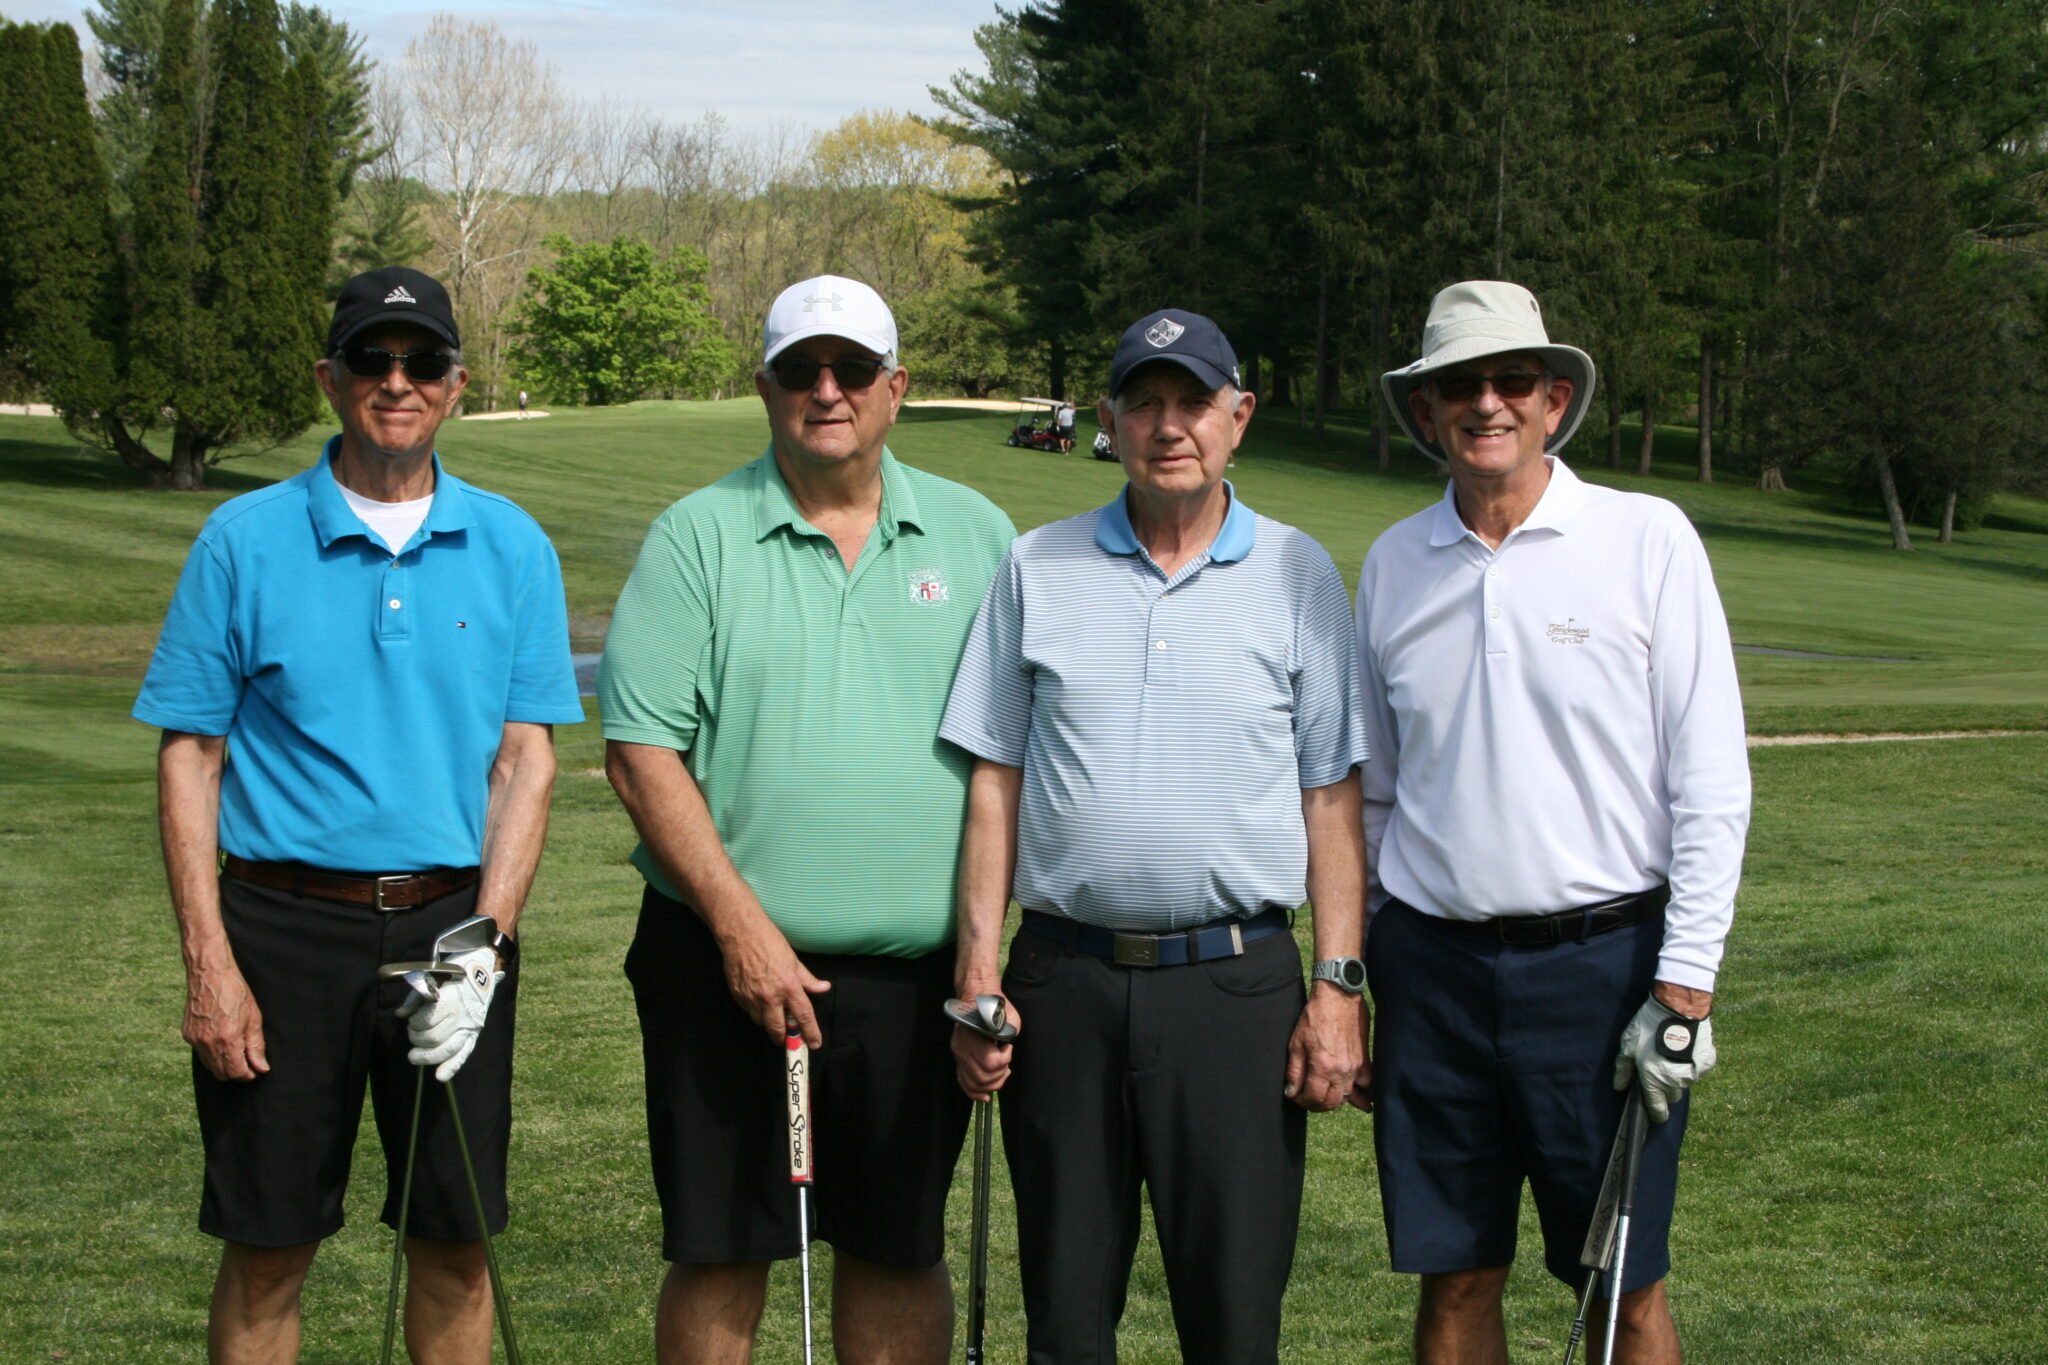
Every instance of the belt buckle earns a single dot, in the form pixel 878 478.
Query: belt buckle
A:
pixel 379 886
pixel 1136 950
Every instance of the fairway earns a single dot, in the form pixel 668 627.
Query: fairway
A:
pixel 1864 1174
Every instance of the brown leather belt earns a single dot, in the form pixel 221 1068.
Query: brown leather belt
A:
pixel 393 891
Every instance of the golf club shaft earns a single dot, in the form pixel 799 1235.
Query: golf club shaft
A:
pixel 483 1228
pixel 1578 1332
pixel 803 1255
pixel 1635 1123
pixel 412 1149
pixel 977 1262
pixel 1614 1288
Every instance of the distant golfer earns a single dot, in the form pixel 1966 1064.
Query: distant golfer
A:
pixel 1159 695
pixel 359 673
pixel 522 405
pixel 1555 809
pixel 772 687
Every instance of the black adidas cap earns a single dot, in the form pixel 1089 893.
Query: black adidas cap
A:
pixel 1187 339
pixel 396 293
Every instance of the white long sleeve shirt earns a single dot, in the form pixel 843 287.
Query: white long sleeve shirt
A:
pixel 1555 722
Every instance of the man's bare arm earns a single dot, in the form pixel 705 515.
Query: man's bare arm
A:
pixel 222 1022
pixel 516 821
pixel 761 970
pixel 988 867
pixel 1326 1055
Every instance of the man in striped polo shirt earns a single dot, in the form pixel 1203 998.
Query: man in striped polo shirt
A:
pixel 1159 697
pixel 771 688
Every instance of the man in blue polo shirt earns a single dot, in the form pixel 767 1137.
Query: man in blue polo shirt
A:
pixel 356 683
pixel 1159 696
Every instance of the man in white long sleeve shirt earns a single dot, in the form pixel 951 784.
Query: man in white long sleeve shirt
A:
pixel 1555 813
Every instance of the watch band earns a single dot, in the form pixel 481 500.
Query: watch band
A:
pixel 1347 974
pixel 506 946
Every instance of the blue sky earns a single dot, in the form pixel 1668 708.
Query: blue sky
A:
pixel 758 63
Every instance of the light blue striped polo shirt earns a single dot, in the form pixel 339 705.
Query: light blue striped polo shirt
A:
pixel 1165 726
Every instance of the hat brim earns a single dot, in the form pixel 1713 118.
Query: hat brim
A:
pixel 1566 362
pixel 411 317
pixel 1195 365
pixel 879 345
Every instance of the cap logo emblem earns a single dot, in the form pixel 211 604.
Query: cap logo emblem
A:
pixel 399 295
pixel 928 586
pixel 1164 332
pixel 837 301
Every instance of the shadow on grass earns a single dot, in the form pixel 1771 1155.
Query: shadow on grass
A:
pixel 68 464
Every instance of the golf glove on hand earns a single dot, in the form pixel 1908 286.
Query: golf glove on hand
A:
pixel 1646 1050
pixel 444 1030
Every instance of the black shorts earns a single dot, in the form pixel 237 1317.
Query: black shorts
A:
pixel 888 1116
pixel 278 1147
pixel 1494 1065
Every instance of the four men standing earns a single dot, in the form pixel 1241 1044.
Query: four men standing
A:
pixel 1153 743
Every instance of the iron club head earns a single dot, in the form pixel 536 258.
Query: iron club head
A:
pixel 985 1014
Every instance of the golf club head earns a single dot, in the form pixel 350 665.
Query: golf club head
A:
pixel 985 1014
pixel 478 931
pixel 423 978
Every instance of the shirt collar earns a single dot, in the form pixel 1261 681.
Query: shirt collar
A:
pixel 333 518
pixel 778 505
pixel 1554 511
pixel 1234 539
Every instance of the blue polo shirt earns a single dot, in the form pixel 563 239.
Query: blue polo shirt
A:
pixel 363 694
pixel 1165 726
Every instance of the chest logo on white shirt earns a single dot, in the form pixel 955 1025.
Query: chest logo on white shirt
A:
pixel 1569 633
pixel 928 586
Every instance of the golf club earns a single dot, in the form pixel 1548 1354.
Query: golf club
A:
pixel 1635 1123
pixel 797 1091
pixel 1598 1250
pixel 425 979
pixel 987 1016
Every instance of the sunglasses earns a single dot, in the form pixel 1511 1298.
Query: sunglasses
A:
pixel 1463 388
pixel 374 362
pixel 799 373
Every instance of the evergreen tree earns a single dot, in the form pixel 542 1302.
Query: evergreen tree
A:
pixel 59 268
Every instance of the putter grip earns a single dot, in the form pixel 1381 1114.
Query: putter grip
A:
pixel 797 1091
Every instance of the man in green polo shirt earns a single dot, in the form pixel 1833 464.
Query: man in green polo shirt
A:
pixel 772 687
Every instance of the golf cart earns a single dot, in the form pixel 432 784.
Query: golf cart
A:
pixel 1043 424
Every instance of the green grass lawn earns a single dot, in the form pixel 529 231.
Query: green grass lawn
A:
pixel 1864 1179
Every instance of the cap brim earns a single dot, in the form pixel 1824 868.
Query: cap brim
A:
pixel 411 317
pixel 876 344
pixel 1201 369
pixel 1566 362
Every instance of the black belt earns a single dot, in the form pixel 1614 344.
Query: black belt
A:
pixel 1566 926
pixel 1222 938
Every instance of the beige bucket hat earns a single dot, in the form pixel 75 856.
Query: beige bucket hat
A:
pixel 1480 318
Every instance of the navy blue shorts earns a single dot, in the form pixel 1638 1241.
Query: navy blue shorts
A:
pixel 1494 1065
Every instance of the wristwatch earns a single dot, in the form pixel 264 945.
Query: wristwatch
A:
pixel 507 948
pixel 1675 1037
pixel 1347 974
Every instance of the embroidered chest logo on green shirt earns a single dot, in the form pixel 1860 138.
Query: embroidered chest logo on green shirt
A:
pixel 928 586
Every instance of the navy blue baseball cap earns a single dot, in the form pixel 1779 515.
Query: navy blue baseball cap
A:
pixel 394 294
pixel 1187 339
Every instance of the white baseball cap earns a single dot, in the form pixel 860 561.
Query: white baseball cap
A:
pixel 828 306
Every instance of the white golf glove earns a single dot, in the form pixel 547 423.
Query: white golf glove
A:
pixel 1668 1050
pixel 444 1029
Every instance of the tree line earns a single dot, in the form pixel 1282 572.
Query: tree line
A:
pixel 1812 231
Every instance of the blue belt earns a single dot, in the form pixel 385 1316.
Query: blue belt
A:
pixel 1221 938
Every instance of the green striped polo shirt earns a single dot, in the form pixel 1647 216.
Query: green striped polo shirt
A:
pixel 807 698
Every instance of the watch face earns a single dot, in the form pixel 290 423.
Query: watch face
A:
pixel 1351 974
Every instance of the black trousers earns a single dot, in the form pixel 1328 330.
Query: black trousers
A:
pixel 1165 1078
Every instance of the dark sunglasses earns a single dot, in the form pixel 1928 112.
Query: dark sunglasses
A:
pixel 799 373
pixel 1463 388
pixel 374 362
